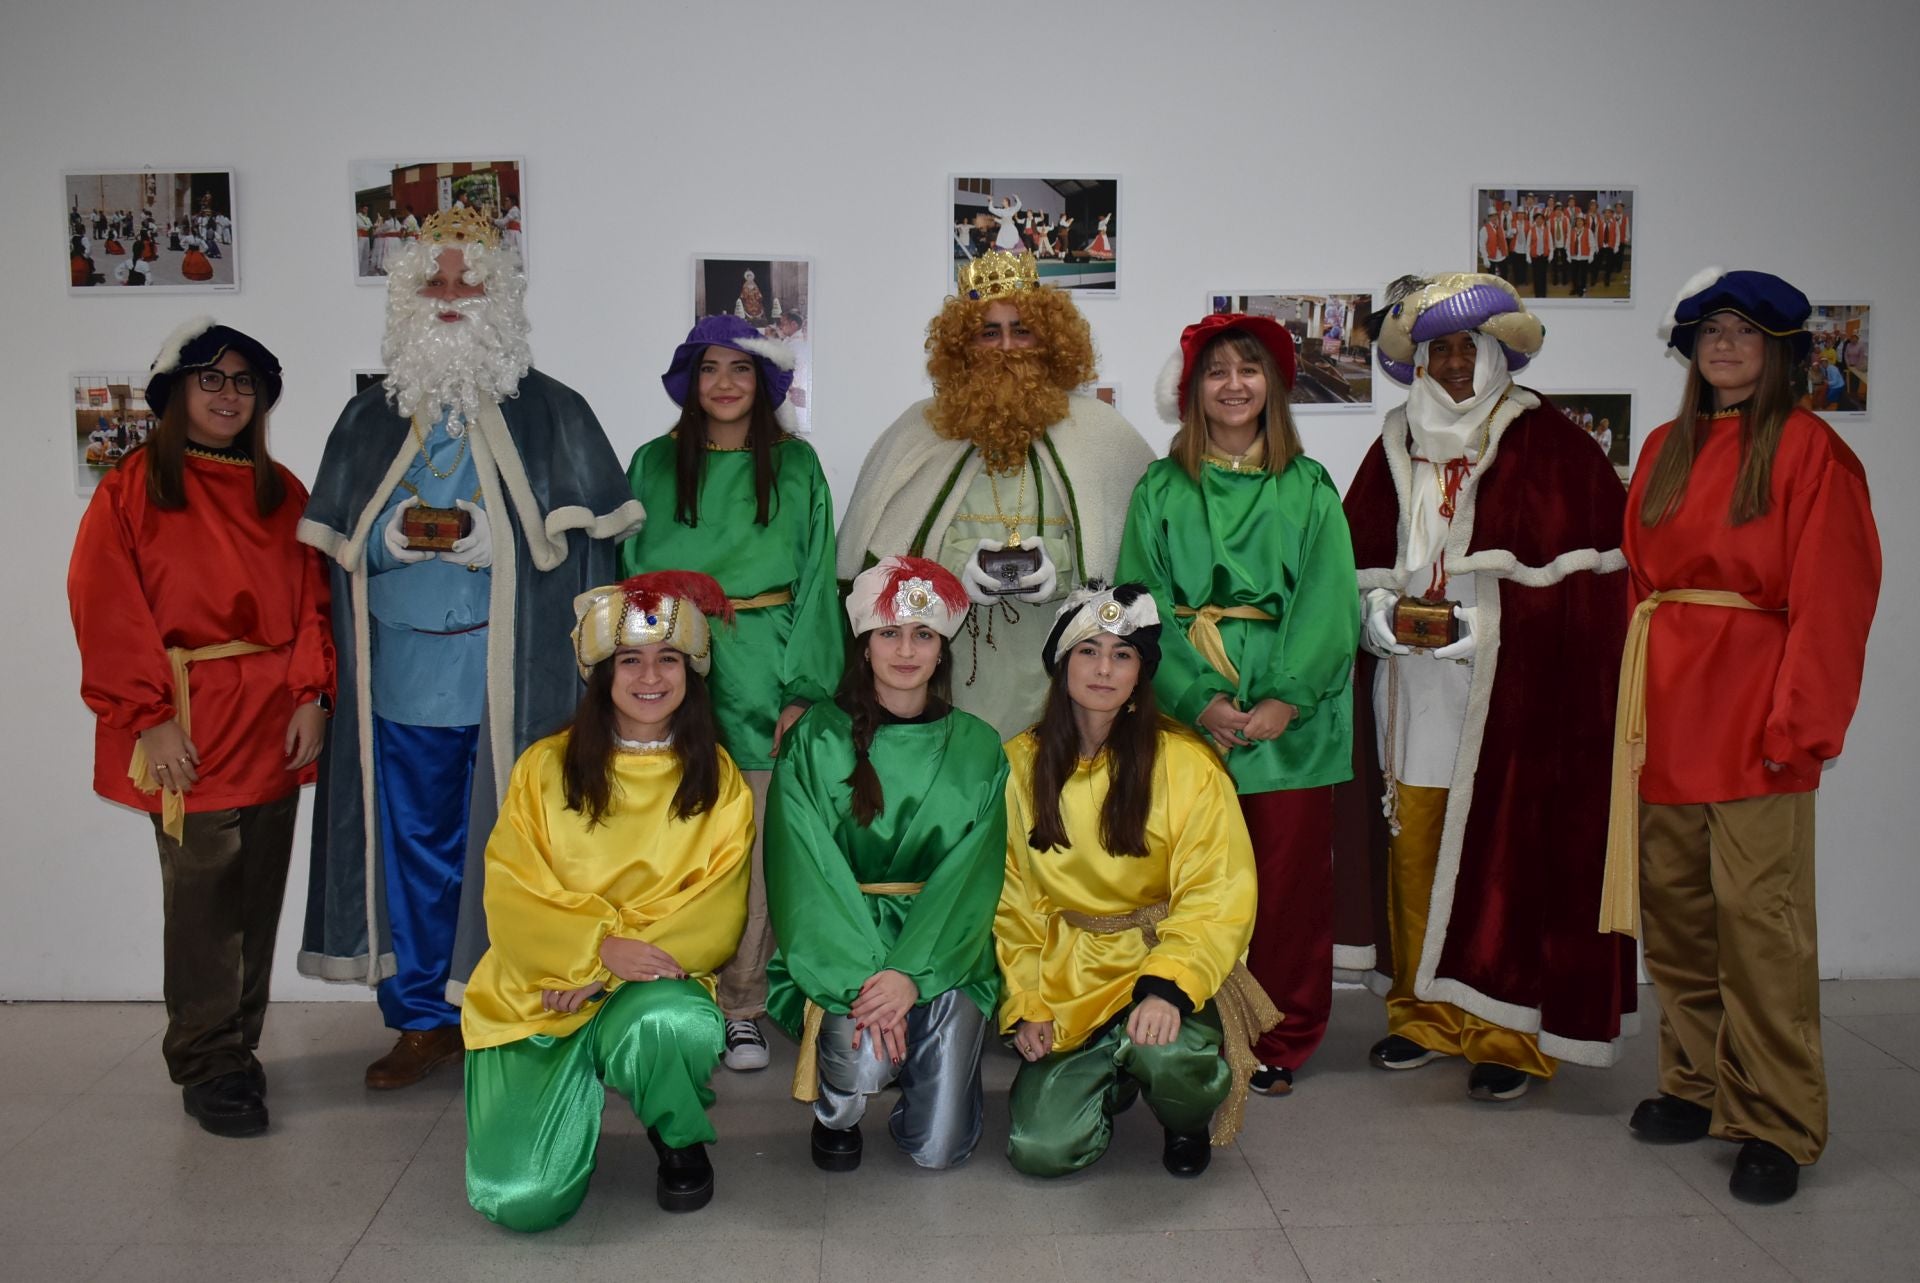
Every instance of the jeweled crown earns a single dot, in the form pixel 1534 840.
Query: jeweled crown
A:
pixel 459 226
pixel 997 273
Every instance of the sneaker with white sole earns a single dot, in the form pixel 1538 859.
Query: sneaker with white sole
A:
pixel 746 1046
pixel 1396 1052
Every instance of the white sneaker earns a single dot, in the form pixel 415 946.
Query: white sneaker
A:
pixel 746 1046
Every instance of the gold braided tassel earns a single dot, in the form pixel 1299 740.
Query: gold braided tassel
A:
pixel 806 1070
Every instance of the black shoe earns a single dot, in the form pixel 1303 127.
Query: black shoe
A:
pixel 1395 1052
pixel 1498 1082
pixel 1763 1173
pixel 1271 1080
pixel 258 1073
pixel 1186 1155
pixel 1668 1120
pixel 835 1149
pixel 229 1105
pixel 685 1181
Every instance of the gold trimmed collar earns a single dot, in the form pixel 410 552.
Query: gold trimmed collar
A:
pixel 231 457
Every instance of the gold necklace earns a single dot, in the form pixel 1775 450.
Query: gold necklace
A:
pixel 1019 503
pixel 459 456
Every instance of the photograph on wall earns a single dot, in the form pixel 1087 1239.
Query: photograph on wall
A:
pixel 1836 371
pixel 167 230
pixel 775 296
pixel 1606 417
pixel 1108 392
pixel 1557 244
pixel 364 379
pixel 1070 225
pixel 1333 352
pixel 391 198
pixel 110 417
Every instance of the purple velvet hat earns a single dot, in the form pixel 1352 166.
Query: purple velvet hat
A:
pixel 1420 310
pixel 774 358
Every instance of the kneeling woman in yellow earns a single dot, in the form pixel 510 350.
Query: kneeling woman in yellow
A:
pixel 1129 898
pixel 616 884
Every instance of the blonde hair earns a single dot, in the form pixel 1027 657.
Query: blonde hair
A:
pixel 1276 419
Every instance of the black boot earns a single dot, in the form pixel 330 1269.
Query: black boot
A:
pixel 1186 1155
pixel 685 1181
pixel 834 1149
pixel 230 1105
pixel 1763 1173
pixel 1668 1120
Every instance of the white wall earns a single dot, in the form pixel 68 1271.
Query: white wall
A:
pixel 1262 145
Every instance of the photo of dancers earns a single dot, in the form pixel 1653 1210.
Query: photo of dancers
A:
pixel 1333 352
pixel 392 198
pixel 1557 244
pixel 1067 224
pixel 1605 416
pixel 156 229
pixel 775 296
pixel 110 417
pixel 1836 369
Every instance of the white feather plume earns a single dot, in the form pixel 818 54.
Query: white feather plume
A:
pixel 774 350
pixel 1695 283
pixel 1166 388
pixel 785 417
pixel 183 334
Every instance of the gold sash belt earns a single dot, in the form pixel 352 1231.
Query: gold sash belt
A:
pixel 778 597
pixel 1204 633
pixel 173 806
pixel 1244 1009
pixel 1620 884
pixel 806 1071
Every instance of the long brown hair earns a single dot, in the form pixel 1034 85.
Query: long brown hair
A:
pixel 1132 747
pixel 690 456
pixel 1760 429
pixel 1276 419
pixel 862 703
pixel 166 451
pixel 586 770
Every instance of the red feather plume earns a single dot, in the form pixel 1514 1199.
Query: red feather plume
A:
pixel 646 592
pixel 945 585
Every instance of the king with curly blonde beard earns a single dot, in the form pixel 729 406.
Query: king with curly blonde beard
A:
pixel 1005 476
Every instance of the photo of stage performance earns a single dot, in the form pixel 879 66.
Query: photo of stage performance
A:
pixel 157 229
pixel 110 417
pixel 775 296
pixel 1557 244
pixel 1069 225
pixel 392 198
pixel 1606 417
pixel 1836 373
pixel 1333 350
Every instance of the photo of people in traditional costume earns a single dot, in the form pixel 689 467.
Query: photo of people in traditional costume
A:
pixel 1470 846
pixel 734 495
pixel 1006 476
pixel 886 843
pixel 1755 570
pixel 616 885
pixel 206 658
pixel 465 502
pixel 1129 900
pixel 1240 538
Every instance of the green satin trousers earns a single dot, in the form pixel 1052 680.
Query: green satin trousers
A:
pixel 1063 1106
pixel 533 1106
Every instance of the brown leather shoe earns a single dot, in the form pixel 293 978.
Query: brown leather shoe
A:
pixel 418 1053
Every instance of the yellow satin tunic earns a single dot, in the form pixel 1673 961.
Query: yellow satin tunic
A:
pixel 557 889
pixel 1199 861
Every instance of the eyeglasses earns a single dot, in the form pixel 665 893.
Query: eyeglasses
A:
pixel 214 380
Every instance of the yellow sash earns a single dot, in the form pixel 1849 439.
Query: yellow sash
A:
pixel 1620 884
pixel 1244 1009
pixel 806 1071
pixel 1204 633
pixel 173 807
pixel 778 597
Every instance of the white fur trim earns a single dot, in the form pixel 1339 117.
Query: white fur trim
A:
pixel 615 525
pixel 1695 283
pixel 1166 388
pixel 774 350
pixel 502 593
pixel 183 334
pixel 320 966
pixel 787 418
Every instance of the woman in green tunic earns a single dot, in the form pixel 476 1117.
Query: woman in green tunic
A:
pixel 886 846
pixel 730 493
pixel 1242 541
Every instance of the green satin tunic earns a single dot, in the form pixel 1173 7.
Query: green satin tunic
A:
pixel 774 655
pixel 945 824
pixel 1278 542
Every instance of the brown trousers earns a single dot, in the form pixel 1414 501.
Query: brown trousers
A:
pixel 1727 917
pixel 221 887
pixel 742 983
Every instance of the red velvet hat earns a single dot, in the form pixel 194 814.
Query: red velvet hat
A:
pixel 1170 395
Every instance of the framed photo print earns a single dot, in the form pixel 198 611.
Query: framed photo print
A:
pixel 1333 351
pixel 391 198
pixel 166 230
pixel 1557 244
pixel 109 416
pixel 1607 417
pixel 775 296
pixel 1836 373
pixel 1070 225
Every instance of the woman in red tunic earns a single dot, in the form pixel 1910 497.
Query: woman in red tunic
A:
pixel 185 573
pixel 1748 527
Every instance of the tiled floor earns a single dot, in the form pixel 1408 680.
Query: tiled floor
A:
pixel 1360 1175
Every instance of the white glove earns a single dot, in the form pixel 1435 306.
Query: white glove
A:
pixel 1377 635
pixel 474 550
pixel 1038 586
pixel 396 541
pixel 978 583
pixel 1463 649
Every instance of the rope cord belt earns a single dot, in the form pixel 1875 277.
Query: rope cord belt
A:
pixel 1204 633
pixel 173 805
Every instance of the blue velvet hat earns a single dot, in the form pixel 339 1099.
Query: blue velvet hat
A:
pixel 774 358
pixel 1776 307
pixel 198 345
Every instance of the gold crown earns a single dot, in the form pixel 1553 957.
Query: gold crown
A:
pixel 996 274
pixel 459 226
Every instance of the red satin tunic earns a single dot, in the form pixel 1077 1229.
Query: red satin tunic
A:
pixel 1727 688
pixel 144 579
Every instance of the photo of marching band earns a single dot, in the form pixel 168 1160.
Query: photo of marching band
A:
pixel 392 198
pixel 151 228
pixel 1557 244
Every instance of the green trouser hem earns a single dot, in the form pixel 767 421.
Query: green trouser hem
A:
pixel 533 1106
pixel 1063 1105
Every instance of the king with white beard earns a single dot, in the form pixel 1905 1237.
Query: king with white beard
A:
pixel 464 503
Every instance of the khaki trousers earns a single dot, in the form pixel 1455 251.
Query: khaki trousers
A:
pixel 1727 917
pixel 741 988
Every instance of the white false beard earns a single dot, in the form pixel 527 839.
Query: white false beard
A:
pixel 465 364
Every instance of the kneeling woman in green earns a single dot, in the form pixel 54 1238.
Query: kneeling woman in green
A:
pixel 616 884
pixel 1129 899
pixel 886 828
